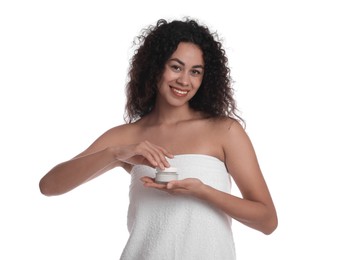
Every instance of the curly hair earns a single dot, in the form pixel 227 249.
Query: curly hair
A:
pixel 156 45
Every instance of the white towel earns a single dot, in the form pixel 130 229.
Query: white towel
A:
pixel 179 227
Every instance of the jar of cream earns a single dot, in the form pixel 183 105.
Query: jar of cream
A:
pixel 166 175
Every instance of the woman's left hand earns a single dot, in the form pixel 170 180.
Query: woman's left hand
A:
pixel 189 186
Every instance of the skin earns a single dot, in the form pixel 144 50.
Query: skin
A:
pixel 174 128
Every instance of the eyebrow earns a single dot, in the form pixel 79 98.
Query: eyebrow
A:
pixel 183 64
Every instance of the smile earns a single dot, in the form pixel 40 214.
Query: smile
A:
pixel 179 92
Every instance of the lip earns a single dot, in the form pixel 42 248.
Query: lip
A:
pixel 179 92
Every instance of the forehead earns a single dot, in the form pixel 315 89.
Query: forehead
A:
pixel 189 53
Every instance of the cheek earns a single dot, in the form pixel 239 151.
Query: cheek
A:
pixel 166 77
pixel 162 80
pixel 170 76
pixel 197 82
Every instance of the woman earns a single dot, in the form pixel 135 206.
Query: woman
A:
pixel 180 112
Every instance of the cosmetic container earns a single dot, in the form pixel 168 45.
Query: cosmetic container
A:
pixel 166 175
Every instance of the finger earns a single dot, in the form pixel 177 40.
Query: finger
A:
pixel 157 154
pixel 149 182
pixel 165 152
pixel 150 159
pixel 147 179
pixel 155 185
pixel 144 149
pixel 164 155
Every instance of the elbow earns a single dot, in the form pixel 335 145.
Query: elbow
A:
pixel 47 188
pixel 44 189
pixel 270 226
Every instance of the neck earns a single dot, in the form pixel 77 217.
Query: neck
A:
pixel 169 115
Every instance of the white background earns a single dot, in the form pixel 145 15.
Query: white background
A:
pixel 63 67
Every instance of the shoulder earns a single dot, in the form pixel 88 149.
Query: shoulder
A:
pixel 226 125
pixel 236 143
pixel 229 133
pixel 120 129
pixel 115 136
pixel 231 130
pixel 121 134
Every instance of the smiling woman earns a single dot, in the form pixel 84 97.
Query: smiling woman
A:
pixel 182 76
pixel 180 113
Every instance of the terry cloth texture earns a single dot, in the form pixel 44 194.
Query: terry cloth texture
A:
pixel 179 227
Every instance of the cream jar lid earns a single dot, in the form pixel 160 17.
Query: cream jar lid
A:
pixel 169 169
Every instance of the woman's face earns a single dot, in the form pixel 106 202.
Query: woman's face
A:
pixel 182 76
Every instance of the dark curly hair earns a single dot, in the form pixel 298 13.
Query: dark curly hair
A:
pixel 156 45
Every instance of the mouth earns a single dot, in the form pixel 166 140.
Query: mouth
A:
pixel 179 92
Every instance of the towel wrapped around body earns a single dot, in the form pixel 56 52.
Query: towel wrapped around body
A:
pixel 179 227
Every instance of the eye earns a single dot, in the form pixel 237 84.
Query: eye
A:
pixel 175 68
pixel 196 72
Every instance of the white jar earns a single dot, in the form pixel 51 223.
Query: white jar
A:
pixel 166 175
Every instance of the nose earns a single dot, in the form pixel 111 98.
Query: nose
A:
pixel 183 79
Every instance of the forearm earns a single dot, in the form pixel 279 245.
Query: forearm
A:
pixel 70 174
pixel 251 213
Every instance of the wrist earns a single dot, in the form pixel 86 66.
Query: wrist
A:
pixel 203 191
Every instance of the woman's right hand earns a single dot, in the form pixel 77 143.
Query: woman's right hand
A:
pixel 145 153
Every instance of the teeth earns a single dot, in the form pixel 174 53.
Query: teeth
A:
pixel 180 92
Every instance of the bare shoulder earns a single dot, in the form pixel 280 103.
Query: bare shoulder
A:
pixel 229 133
pixel 233 131
pixel 120 130
pixel 119 135
pixel 238 149
pixel 115 136
pixel 226 126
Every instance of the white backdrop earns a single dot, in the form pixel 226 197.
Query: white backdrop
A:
pixel 63 68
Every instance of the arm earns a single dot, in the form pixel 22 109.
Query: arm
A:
pixel 255 209
pixel 70 174
pixel 255 214
pixel 107 152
